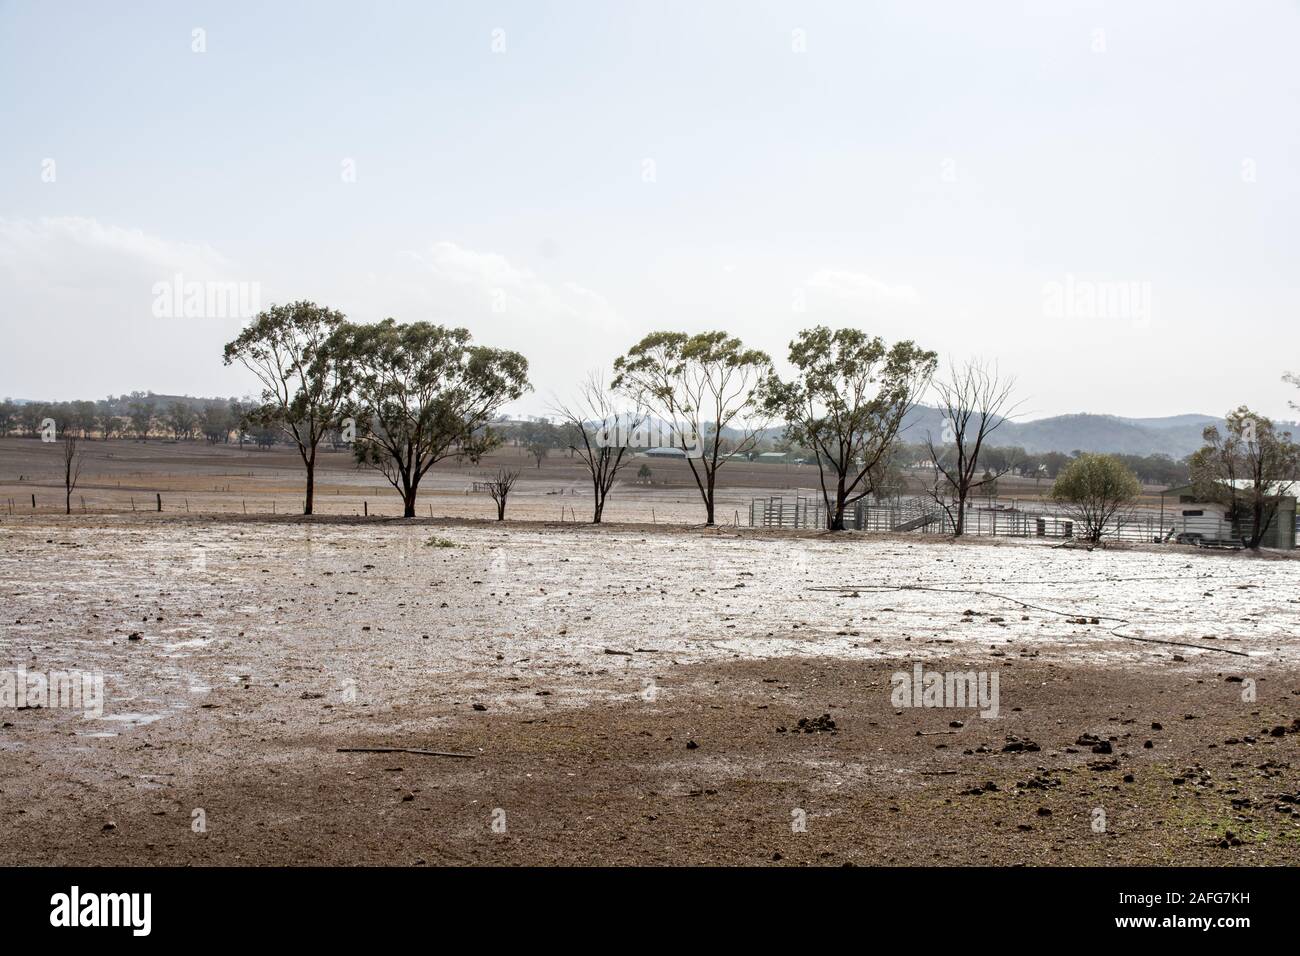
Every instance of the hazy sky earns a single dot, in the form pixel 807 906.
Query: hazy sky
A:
pixel 1103 196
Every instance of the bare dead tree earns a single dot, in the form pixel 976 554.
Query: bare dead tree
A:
pixel 597 434
pixel 974 400
pixel 71 469
pixel 499 485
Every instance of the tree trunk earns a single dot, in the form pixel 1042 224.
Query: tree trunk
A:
pixel 311 484
pixel 501 509
pixel 410 486
pixel 959 526
pixel 837 518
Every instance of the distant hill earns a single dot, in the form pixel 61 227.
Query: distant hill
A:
pixel 1174 435
pixel 1173 421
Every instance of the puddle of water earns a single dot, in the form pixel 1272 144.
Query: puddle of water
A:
pixel 135 720
pixel 193 642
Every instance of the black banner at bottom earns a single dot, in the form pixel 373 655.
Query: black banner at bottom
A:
pixel 338 905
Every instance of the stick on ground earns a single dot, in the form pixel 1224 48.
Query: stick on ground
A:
pixel 401 750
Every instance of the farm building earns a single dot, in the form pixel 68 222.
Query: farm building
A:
pixel 664 452
pixel 1211 521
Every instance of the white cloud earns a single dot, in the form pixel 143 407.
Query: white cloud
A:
pixel 77 295
pixel 76 300
pixel 859 287
pixel 563 328
pixel 488 281
pixel 80 252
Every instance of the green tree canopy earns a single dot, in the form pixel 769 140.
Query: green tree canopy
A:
pixel 1248 466
pixel 846 403
pixel 422 393
pixel 1096 489
pixel 290 348
pixel 705 389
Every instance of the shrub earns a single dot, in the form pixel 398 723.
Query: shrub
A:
pixel 1095 489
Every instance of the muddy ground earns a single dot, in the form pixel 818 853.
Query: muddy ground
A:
pixel 633 694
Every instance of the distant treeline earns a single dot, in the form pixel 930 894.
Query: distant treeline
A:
pixel 140 416
pixel 1156 469
pixel 145 415
pixel 1012 460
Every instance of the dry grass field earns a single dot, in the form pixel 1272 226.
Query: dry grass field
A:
pixel 626 694
pixel 194 477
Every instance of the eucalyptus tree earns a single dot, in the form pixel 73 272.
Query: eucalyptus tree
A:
pixel 291 350
pixel 421 393
pixel 847 402
pixel 705 390
pixel 1249 466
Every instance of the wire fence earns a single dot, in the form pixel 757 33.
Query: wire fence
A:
pixel 781 512
pixel 994 518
